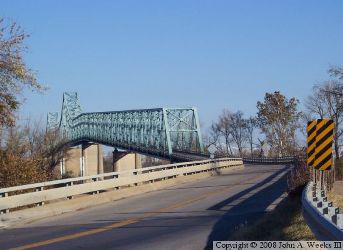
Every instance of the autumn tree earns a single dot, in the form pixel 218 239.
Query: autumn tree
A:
pixel 278 118
pixel 29 154
pixel 14 73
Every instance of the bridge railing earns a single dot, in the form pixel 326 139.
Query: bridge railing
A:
pixel 320 212
pixel 265 160
pixel 39 193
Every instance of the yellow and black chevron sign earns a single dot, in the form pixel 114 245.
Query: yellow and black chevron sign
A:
pixel 311 142
pixel 323 140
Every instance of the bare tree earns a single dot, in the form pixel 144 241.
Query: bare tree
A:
pixel 224 128
pixel 148 161
pixel 230 128
pixel 336 72
pixel 213 137
pixel 250 126
pixel 315 104
pixel 326 102
pixel 237 129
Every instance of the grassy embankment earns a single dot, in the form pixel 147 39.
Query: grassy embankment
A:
pixel 285 222
pixel 337 199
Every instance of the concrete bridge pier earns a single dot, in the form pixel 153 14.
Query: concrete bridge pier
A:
pixel 124 160
pixel 83 160
pixel 92 159
pixel 87 159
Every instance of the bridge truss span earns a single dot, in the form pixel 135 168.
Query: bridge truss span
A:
pixel 161 131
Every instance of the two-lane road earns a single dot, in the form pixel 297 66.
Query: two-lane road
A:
pixel 187 216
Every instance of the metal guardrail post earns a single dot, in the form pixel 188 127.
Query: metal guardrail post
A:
pixel 38 190
pixel 6 210
pixel 69 184
pixel 94 180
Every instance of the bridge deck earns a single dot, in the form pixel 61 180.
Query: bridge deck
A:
pixel 187 216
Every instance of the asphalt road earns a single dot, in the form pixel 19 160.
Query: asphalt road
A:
pixel 187 216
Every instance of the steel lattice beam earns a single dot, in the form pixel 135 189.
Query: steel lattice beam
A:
pixel 160 131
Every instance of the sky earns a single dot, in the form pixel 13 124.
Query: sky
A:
pixel 206 54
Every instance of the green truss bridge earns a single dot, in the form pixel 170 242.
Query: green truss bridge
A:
pixel 161 132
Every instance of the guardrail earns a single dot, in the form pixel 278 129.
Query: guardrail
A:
pixel 38 193
pixel 265 160
pixel 321 212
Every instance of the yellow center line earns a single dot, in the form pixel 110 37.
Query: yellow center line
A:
pixel 124 222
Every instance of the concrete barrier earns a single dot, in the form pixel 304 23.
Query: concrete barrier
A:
pixel 39 193
pixel 321 213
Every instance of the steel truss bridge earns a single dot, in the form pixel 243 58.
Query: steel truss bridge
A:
pixel 162 132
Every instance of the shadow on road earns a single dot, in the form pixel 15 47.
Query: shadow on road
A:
pixel 226 215
pixel 253 173
pixel 249 209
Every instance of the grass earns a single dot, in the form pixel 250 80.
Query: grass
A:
pixel 285 222
pixel 336 199
pixel 339 169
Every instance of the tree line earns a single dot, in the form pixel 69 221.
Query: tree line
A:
pixel 28 153
pixel 276 129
